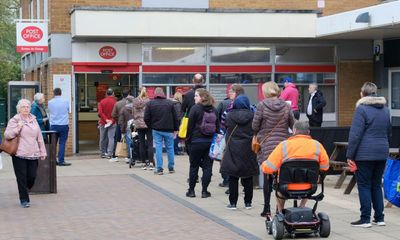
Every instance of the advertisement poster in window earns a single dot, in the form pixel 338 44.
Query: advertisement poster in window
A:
pixel 64 83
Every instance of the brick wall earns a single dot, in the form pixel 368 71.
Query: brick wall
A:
pixel 265 4
pixel 60 21
pixel 337 6
pixel 351 76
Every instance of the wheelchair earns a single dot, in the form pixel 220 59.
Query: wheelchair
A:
pixel 295 220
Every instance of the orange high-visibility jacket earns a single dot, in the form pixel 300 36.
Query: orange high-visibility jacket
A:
pixel 296 147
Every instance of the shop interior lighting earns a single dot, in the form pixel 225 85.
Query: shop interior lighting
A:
pixel 254 48
pixel 175 48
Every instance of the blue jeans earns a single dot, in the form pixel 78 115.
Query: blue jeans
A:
pixel 369 183
pixel 168 138
pixel 128 141
pixel 62 135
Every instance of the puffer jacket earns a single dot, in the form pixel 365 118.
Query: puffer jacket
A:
pixel 31 144
pixel 370 130
pixel 268 114
pixel 239 160
pixel 138 110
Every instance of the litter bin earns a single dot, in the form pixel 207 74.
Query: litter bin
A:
pixel 46 179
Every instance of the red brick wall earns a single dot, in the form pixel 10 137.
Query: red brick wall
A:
pixel 265 4
pixel 351 76
pixel 337 6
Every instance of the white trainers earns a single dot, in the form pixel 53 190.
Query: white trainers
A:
pixel 381 223
pixel 127 160
pixel 115 159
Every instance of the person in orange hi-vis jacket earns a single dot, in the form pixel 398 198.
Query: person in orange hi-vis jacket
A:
pixel 299 146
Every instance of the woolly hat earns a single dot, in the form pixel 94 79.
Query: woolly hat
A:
pixel 241 102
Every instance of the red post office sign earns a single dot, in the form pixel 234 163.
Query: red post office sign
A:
pixel 32 37
pixel 107 52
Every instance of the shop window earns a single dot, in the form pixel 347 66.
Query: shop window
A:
pixel 174 54
pixel 314 54
pixel 240 78
pixel 240 54
pixel 326 84
pixel 167 78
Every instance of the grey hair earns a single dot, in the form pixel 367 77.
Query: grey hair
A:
pixel 38 96
pixel 314 84
pixel 21 102
pixel 369 89
pixel 301 127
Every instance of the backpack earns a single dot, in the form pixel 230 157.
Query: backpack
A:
pixel 207 126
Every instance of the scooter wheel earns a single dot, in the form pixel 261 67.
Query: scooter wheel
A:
pixel 278 228
pixel 325 225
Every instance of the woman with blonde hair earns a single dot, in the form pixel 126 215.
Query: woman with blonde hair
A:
pixel 271 122
pixel 30 148
pixel 177 100
pixel 146 153
pixel 203 123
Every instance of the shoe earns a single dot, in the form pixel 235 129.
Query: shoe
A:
pixel 360 223
pixel 231 206
pixel 378 223
pixel 145 166
pixel 103 155
pixel 171 170
pixel 64 164
pixel 205 194
pixel 248 206
pixel 114 159
pixel 127 160
pixel 266 213
pixel 222 185
pixel 151 167
pixel 190 193
pixel 25 204
pixel 227 191
pixel 159 172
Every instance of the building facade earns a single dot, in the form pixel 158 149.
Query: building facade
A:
pixel 133 43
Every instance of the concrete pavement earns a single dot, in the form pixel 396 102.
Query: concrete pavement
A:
pixel 101 200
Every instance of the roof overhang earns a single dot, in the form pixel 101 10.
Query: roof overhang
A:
pixel 116 23
pixel 383 23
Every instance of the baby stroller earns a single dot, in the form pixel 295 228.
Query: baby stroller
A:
pixel 297 220
pixel 134 143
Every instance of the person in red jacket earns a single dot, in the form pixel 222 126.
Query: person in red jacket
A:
pixel 290 93
pixel 299 146
pixel 107 125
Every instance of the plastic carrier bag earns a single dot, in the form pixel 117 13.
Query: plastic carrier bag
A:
pixel 391 181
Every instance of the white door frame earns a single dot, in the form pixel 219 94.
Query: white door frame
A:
pixel 393 112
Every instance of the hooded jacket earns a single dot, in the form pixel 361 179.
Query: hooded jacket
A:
pixel 139 105
pixel 239 160
pixel 370 130
pixel 268 114
pixel 195 118
pixel 290 93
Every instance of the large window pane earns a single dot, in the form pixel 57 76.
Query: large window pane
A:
pixel 240 54
pixel 174 54
pixel 395 90
pixel 167 78
pixel 306 78
pixel 241 78
pixel 305 54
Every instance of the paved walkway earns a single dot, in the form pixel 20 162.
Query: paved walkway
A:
pixel 101 200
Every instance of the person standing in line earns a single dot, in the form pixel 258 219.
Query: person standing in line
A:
pixel 188 97
pixel 30 149
pixel 146 149
pixel 178 108
pixel 39 111
pixel 290 93
pixel 316 103
pixel 125 115
pixel 107 125
pixel 239 161
pixel 203 123
pixel 161 117
pixel 271 122
pixel 368 150
pixel 59 120
pixel 116 113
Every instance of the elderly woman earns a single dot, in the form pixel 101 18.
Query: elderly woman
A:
pixel 271 122
pixel 30 149
pixel 368 149
pixel 39 111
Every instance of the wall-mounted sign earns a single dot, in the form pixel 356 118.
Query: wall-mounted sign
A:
pixel 107 52
pixel 32 37
pixel 64 83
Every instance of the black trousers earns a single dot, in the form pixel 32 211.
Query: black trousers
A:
pixel 198 157
pixel 25 172
pixel 146 152
pixel 313 123
pixel 234 189
pixel 267 190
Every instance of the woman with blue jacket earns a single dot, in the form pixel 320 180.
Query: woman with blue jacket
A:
pixel 39 111
pixel 368 149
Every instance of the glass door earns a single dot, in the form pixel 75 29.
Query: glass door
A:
pixel 394 92
pixel 18 90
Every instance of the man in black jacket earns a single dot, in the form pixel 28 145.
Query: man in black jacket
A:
pixel 161 117
pixel 316 103
pixel 188 98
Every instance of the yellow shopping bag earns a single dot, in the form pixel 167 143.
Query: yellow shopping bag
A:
pixel 183 127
